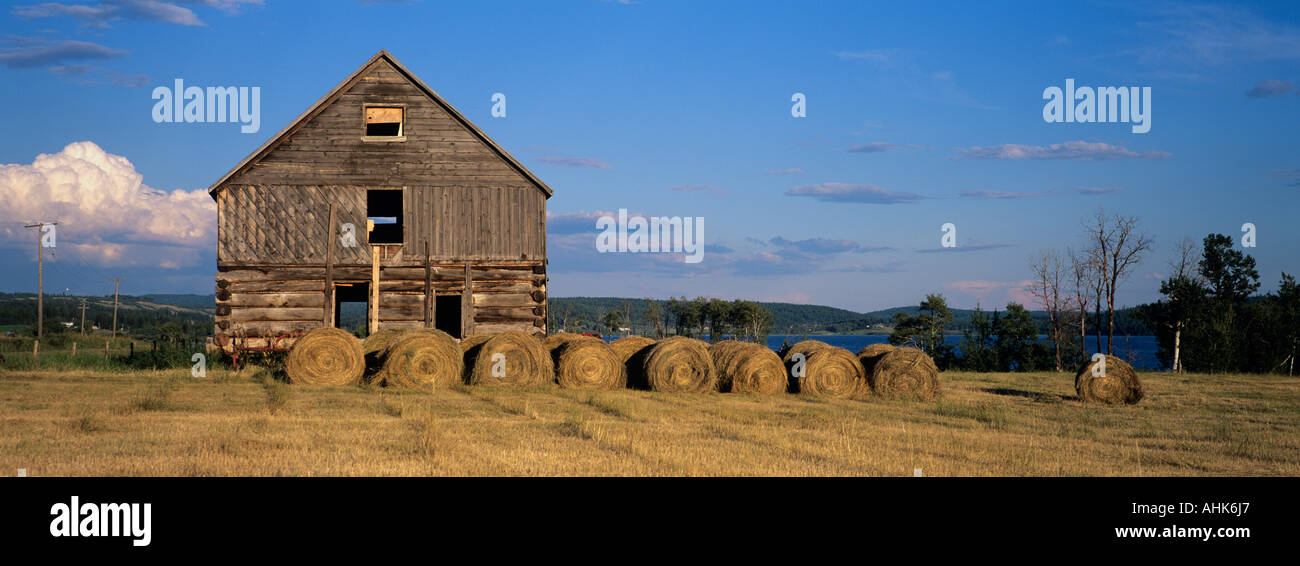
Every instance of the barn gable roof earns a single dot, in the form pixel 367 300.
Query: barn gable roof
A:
pixel 340 89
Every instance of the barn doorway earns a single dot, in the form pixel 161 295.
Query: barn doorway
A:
pixel 351 306
pixel 447 314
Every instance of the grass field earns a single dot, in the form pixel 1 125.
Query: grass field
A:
pixel 88 422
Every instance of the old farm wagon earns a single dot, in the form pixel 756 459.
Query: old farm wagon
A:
pixel 382 194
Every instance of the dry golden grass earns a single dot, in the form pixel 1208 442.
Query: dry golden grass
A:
pixel 165 423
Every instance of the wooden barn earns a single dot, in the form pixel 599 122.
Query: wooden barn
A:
pixel 381 193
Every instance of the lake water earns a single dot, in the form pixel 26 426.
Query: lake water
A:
pixel 1142 348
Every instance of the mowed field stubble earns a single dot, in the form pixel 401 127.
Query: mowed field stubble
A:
pixel 91 423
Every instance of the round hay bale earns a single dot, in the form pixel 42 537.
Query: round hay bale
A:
pixel 422 360
pixel 435 332
pixel 375 345
pixel 469 342
pixel 679 365
pixel 745 367
pixel 556 340
pixel 628 346
pixel 526 361
pixel 325 356
pixel 905 373
pixel 589 364
pixel 872 354
pixel 805 347
pixel 1117 383
pixel 829 372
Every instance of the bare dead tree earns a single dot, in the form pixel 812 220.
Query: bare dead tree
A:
pixel 1118 246
pixel 1082 273
pixel 1048 273
pixel 565 313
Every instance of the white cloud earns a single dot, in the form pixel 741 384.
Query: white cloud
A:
pixel 1071 150
pixel 106 214
pixel 850 192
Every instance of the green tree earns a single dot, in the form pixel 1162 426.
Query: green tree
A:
pixel 652 311
pixel 1288 300
pixel 1185 294
pixel 1017 338
pixel 750 320
pixel 700 306
pixel 688 316
pixel 1222 336
pixel 1231 274
pixel 925 331
pixel 718 313
pixel 613 321
pixel 977 346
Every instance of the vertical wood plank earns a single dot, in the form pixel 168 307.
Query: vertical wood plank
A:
pixel 374 290
pixel 428 287
pixel 467 305
pixel 329 269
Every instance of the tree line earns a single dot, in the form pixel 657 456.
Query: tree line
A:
pixel 710 319
pixel 1208 319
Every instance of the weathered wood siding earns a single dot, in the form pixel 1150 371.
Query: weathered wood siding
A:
pixel 327 149
pixel 269 302
pixel 286 224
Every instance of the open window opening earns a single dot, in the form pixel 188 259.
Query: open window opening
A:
pixel 351 306
pixel 384 208
pixel 383 122
pixel 447 314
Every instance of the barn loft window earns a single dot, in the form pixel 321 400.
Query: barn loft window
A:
pixel 384 121
pixel 384 207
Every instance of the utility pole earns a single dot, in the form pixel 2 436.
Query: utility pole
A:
pixel 40 278
pixel 83 317
pixel 117 282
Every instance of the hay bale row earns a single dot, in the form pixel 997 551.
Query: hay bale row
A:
pixel 745 367
pixel 1115 383
pixel 325 356
pixel 827 371
pixel 426 358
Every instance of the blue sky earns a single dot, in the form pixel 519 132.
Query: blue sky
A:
pixel 917 115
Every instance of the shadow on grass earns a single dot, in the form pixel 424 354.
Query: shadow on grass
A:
pixel 1037 396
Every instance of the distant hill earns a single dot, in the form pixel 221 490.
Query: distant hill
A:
pixel 141 314
pixel 791 318
pixel 137 315
pixel 206 303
